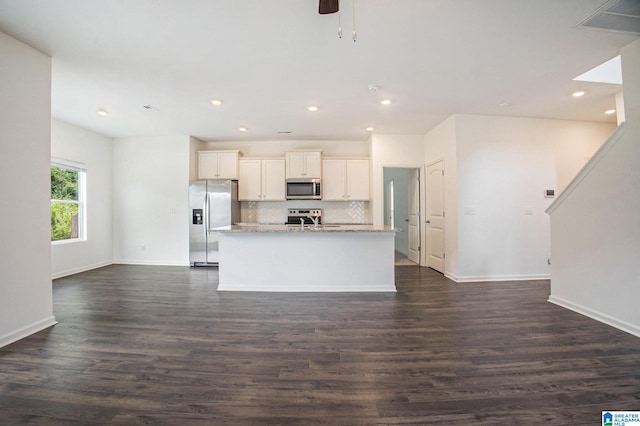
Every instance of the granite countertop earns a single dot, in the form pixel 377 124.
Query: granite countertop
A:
pixel 258 227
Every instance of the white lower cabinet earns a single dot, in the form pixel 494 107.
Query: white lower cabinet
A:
pixel 261 179
pixel 345 180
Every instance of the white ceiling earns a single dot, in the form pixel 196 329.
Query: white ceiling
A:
pixel 270 59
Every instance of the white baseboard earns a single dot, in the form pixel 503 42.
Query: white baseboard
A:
pixel 598 316
pixel 28 330
pixel 80 269
pixel 486 278
pixel 150 263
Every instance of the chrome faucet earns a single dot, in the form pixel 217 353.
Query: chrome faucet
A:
pixel 302 223
pixel 315 220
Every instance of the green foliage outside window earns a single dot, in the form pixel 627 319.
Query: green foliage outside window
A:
pixel 64 184
pixel 64 203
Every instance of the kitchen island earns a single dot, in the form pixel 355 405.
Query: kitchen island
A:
pixel 324 258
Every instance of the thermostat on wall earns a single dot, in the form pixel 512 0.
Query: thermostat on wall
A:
pixel 549 193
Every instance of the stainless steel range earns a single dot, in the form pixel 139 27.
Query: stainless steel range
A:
pixel 304 216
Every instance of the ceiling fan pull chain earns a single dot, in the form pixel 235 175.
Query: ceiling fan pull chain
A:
pixel 339 25
pixel 354 34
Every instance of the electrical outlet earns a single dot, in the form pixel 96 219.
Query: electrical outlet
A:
pixel 143 247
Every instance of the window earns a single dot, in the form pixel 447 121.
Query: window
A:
pixel 67 201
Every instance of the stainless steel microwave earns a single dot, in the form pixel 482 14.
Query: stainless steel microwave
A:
pixel 303 189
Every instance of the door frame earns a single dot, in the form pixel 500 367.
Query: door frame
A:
pixel 421 202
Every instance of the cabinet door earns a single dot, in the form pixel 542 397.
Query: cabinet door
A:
pixel 250 180
pixel 304 164
pixel 357 180
pixel 227 165
pixel 333 182
pixel 207 165
pixel 295 164
pixel 312 165
pixel 273 180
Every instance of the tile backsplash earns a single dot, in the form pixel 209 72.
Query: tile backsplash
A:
pixel 332 211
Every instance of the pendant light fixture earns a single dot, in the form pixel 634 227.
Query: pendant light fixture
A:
pixel 354 35
pixel 326 7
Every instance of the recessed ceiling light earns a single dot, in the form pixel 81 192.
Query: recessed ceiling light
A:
pixel 503 104
pixel 578 94
pixel 610 111
pixel 102 113
pixel 369 129
pixel 386 102
pixel 242 129
pixel 312 108
pixel 216 102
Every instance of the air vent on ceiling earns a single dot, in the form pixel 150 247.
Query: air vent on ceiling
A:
pixel 615 15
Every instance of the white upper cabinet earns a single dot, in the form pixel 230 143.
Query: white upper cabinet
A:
pixel 304 164
pixel 333 184
pixel 273 180
pixel 250 179
pixel 261 179
pixel 218 164
pixel 345 179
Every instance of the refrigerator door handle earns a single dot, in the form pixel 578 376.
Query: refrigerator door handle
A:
pixel 206 212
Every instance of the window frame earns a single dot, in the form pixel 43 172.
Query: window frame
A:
pixel 81 202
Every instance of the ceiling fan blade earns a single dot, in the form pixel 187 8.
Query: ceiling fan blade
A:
pixel 328 6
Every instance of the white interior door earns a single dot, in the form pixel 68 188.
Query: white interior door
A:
pixel 435 216
pixel 414 216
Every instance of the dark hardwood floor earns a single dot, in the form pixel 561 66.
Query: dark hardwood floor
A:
pixel 159 345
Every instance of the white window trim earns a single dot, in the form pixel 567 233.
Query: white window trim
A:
pixel 82 196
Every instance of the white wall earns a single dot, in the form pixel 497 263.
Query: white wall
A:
pixel 596 238
pixel 150 200
pixel 595 226
pixel 25 130
pixel 392 151
pixel 73 143
pixel 498 168
pixel 195 145
pixel 630 56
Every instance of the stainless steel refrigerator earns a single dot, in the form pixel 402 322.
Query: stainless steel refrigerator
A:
pixel 212 203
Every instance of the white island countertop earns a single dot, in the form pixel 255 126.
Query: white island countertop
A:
pixel 329 257
pixel 258 227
